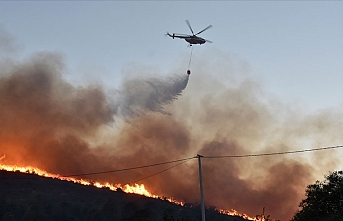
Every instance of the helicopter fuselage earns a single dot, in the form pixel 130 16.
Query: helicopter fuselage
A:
pixel 195 40
pixel 191 39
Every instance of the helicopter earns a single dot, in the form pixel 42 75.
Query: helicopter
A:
pixel 191 39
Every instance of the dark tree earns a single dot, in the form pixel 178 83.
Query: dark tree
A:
pixel 324 200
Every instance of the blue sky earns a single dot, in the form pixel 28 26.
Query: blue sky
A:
pixel 294 48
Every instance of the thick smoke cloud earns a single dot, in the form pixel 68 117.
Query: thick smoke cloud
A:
pixel 48 123
pixel 45 117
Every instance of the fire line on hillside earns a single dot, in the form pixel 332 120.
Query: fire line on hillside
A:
pixel 135 189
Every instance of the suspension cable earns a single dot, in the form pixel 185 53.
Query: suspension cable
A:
pixel 190 58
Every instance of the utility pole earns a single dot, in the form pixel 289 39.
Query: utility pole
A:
pixel 201 190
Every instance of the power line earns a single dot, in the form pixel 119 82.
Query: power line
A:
pixel 209 157
pixel 275 153
pixel 130 168
pixel 161 171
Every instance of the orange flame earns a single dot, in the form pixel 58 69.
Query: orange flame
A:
pixel 136 188
pixel 233 212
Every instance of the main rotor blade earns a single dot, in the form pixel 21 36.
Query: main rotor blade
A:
pixel 189 25
pixel 210 26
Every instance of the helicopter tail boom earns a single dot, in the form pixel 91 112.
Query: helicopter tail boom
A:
pixel 172 36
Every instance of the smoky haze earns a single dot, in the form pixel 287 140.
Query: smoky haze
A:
pixel 48 123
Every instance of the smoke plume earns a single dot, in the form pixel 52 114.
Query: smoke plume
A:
pixel 48 123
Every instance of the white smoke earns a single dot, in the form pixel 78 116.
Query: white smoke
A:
pixel 141 95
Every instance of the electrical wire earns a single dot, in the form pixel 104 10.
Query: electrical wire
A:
pixel 130 168
pixel 208 157
pixel 160 171
pixel 275 153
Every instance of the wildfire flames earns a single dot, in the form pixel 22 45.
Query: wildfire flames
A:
pixel 136 188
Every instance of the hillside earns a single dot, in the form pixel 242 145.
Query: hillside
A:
pixel 31 197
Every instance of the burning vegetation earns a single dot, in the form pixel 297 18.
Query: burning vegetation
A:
pixel 29 196
pixel 135 189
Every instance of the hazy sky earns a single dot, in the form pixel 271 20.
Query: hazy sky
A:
pixel 293 48
pixel 271 81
